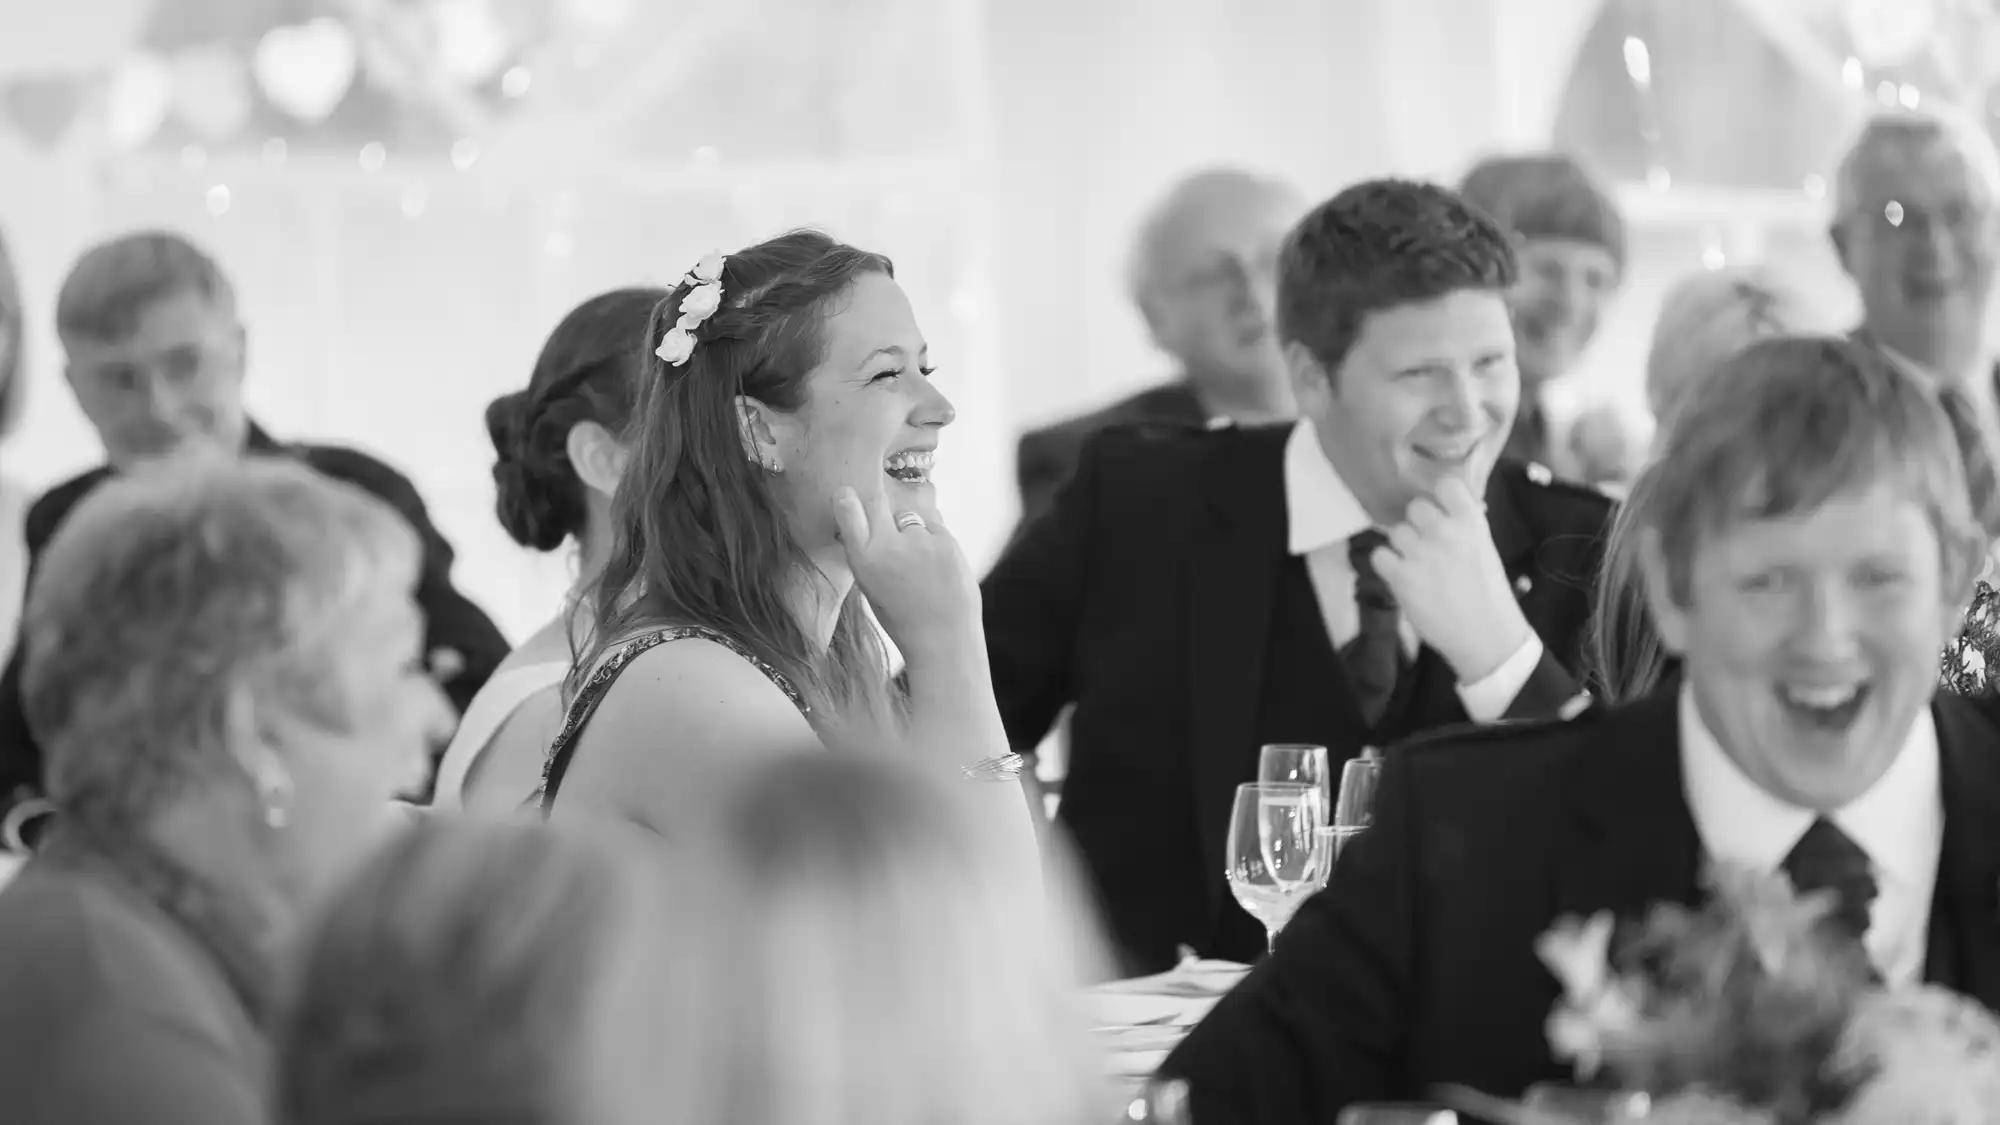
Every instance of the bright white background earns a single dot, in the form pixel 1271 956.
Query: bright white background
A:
pixel 999 150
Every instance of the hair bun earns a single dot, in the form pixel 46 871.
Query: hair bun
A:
pixel 535 496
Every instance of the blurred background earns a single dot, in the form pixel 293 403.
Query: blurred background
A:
pixel 409 193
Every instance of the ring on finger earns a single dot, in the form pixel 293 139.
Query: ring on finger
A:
pixel 908 520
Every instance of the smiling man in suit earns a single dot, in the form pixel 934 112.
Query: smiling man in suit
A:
pixel 1196 594
pixel 156 356
pixel 1916 226
pixel 1809 536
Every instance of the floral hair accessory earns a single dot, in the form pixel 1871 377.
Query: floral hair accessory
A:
pixel 703 297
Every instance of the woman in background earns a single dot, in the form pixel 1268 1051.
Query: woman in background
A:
pixel 1713 314
pixel 1704 319
pixel 857 954
pixel 485 972
pixel 557 460
pixel 224 662
pixel 14 499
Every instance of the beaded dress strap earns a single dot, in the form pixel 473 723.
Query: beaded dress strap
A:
pixel 563 748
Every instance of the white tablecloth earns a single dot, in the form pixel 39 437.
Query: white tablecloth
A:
pixel 1142 1019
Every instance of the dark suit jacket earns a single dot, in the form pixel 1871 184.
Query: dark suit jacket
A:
pixel 1417 966
pixel 451 620
pixel 111 1012
pixel 1047 457
pixel 1145 598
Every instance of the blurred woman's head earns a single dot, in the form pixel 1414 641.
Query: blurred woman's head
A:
pixel 809 375
pixel 1711 315
pixel 231 649
pixel 866 958
pixel 13 335
pixel 557 448
pixel 483 971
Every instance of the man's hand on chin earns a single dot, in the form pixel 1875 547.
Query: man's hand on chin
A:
pixel 1447 577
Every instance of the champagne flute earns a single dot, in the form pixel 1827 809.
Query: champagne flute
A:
pixel 1354 808
pixel 1582 1103
pixel 1164 1100
pixel 1271 864
pixel 1396 1113
pixel 1300 763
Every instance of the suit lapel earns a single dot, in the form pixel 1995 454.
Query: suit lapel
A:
pixel 1968 885
pixel 1634 841
pixel 1237 553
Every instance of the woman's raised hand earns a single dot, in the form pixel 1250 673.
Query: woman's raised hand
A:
pixel 910 567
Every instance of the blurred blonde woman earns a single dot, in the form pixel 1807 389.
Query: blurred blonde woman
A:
pixel 862 958
pixel 1711 315
pixel 483 971
pixel 223 660
pixel 1705 318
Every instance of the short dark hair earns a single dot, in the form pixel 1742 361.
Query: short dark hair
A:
pixel 114 282
pixel 1547 195
pixel 1376 245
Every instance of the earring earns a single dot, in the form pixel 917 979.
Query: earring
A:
pixel 277 796
pixel 769 466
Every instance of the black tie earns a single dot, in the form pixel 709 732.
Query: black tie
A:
pixel 1825 858
pixel 1374 658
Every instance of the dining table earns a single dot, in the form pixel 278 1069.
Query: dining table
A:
pixel 1138 1021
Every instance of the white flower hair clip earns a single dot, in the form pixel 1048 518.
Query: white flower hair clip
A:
pixel 703 297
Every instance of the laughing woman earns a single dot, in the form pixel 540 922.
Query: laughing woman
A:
pixel 777 489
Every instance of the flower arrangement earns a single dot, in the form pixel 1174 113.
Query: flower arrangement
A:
pixel 1747 1012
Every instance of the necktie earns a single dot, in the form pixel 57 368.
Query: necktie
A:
pixel 1374 658
pixel 1825 858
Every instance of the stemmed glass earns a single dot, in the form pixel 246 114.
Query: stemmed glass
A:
pixel 1385 1113
pixel 1354 807
pixel 1276 853
pixel 1300 763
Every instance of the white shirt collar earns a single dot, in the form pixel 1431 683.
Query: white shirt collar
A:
pixel 1320 510
pixel 1899 821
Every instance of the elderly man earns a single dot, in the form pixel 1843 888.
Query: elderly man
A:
pixel 1913 224
pixel 1571 239
pixel 1373 570
pixel 156 360
pixel 1202 273
pixel 1809 535
pixel 221 660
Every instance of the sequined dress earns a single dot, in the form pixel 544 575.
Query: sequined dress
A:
pixel 1972 661
pixel 563 748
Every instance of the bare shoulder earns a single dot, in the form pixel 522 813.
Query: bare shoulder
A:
pixel 509 768
pixel 679 718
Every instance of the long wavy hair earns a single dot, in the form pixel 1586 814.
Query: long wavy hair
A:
pixel 700 533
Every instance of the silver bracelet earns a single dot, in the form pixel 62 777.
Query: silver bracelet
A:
pixel 1006 767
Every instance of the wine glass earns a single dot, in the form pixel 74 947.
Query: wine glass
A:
pixel 1300 763
pixel 1164 1100
pixel 1354 807
pixel 1581 1103
pixel 1396 1113
pixel 1273 860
